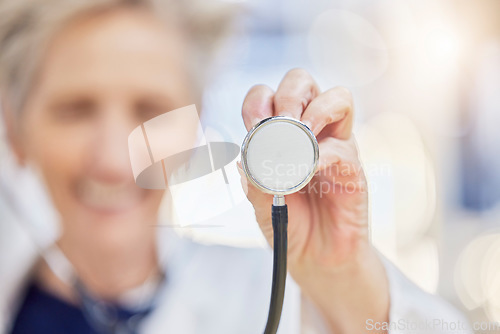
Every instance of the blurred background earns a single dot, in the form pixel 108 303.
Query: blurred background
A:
pixel 425 76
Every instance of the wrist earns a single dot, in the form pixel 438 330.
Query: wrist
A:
pixel 349 294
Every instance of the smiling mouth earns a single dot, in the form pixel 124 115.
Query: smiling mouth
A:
pixel 109 198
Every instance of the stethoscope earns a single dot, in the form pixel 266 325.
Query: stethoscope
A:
pixel 279 156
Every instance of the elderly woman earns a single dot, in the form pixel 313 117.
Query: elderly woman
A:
pixel 76 78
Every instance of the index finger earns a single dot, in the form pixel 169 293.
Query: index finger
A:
pixel 331 114
pixel 295 92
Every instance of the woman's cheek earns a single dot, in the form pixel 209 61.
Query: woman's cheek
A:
pixel 60 159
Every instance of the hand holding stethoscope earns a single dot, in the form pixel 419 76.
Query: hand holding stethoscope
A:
pixel 329 254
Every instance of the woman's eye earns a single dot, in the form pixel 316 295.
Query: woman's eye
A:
pixel 147 110
pixel 75 111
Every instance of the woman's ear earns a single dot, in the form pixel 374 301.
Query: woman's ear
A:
pixel 12 131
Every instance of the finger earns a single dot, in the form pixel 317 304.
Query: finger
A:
pixel 254 195
pixel 331 114
pixel 261 203
pixel 339 159
pixel 294 93
pixel 342 182
pixel 258 104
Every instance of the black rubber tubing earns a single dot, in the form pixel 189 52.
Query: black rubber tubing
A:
pixel 280 246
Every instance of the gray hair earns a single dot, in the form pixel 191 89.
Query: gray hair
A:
pixel 26 26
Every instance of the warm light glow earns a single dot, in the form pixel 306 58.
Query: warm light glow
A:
pixel 443 45
pixel 477 275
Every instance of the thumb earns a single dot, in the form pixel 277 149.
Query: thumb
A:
pixel 261 202
pixel 254 195
pixel 243 179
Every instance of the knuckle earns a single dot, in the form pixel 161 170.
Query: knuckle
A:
pixel 344 92
pixel 260 88
pixel 345 99
pixel 300 73
pixel 347 107
pixel 328 113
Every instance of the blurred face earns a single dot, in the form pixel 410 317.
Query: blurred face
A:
pixel 101 78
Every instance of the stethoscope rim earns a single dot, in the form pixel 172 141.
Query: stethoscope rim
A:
pixel 254 130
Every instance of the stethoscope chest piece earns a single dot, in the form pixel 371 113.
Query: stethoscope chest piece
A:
pixel 279 155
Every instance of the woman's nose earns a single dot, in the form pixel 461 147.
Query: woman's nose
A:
pixel 110 159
